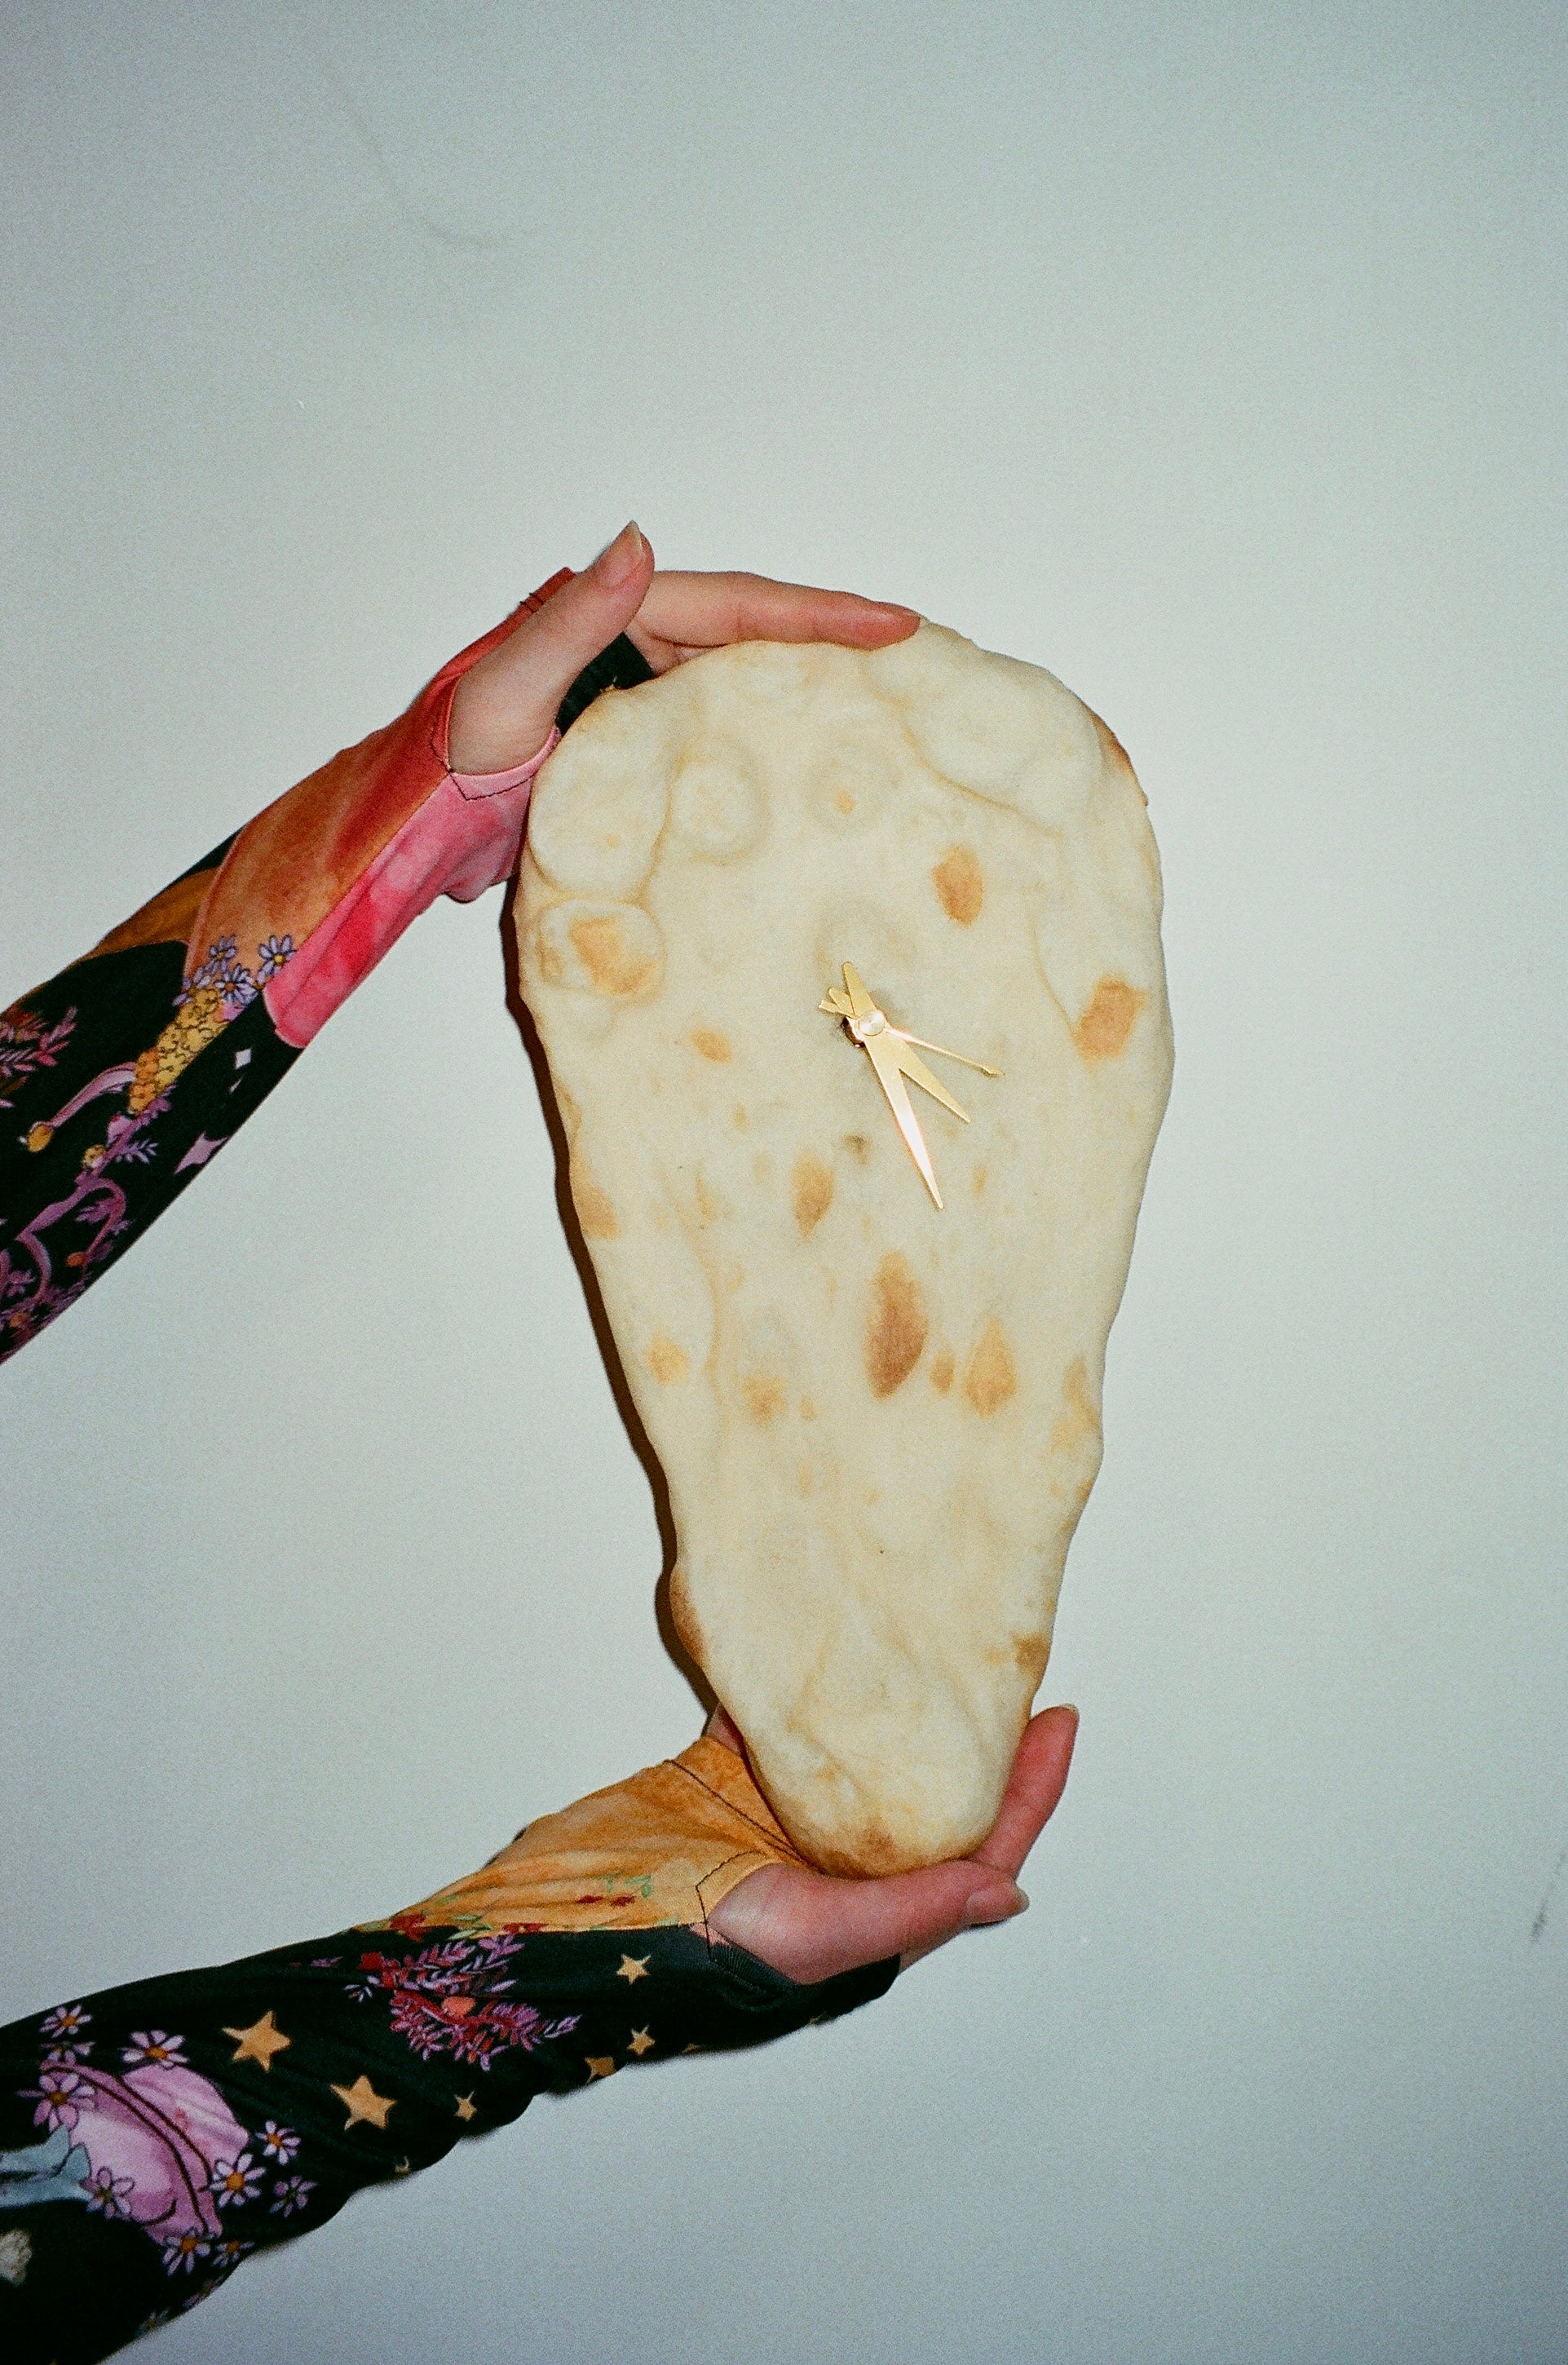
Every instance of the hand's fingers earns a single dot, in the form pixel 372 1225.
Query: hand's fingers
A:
pixel 1034 1788
pixel 504 708
pixel 812 1927
pixel 684 613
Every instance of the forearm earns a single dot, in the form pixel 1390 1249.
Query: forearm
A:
pixel 153 2136
pixel 122 1077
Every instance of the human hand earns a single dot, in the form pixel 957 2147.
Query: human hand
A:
pixel 810 1925
pixel 504 708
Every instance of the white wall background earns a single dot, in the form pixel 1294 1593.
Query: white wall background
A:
pixel 1212 355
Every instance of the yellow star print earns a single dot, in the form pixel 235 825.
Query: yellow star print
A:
pixel 259 2041
pixel 365 2102
pixel 642 2042
pixel 599 2066
pixel 634 1967
pixel 466 2107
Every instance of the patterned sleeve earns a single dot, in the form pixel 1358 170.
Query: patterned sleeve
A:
pixel 154 2138
pixel 120 1078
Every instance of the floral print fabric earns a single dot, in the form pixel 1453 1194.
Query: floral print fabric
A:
pixel 124 1076
pixel 154 2138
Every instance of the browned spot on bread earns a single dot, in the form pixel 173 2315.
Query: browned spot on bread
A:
pixel 742 1120
pixel 813 1192
pixel 666 1359
pixel 608 958
pixel 1029 1656
pixel 979 1180
pixel 707 1206
pixel 803 1478
pixel 942 1371
pixel 763 1395
pixel 1114 751
pixel 683 1617
pixel 1110 745
pixel 1078 1424
pixel 808 1409
pixel 895 1334
pixel 960 883
pixel 595 1214
pixel 844 800
pixel 874 1854
pixel 990 1378
pixel 858 1145
pixel 1102 1032
pixel 711 1044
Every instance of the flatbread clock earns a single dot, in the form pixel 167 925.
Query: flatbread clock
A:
pixel 847 969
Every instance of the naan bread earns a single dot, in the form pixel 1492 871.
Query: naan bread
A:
pixel 879 1422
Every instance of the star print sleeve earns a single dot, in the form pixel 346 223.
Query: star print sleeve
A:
pixel 123 1076
pixel 154 2138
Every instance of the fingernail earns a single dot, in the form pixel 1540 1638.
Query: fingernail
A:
pixel 989 1905
pixel 619 558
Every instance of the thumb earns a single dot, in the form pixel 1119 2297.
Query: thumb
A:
pixel 504 708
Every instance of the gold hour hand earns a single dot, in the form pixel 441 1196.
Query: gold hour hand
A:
pixel 919 1074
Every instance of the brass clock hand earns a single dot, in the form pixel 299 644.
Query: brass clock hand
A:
pixel 891 1052
pixel 886 1060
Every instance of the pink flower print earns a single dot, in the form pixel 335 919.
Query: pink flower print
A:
pixel 106 2194
pixel 234 2181
pixel 279 2143
pixel 290 2194
pixel 150 2048
pixel 66 2020
pixel 63 2094
pixel 160 2132
pixel 181 2252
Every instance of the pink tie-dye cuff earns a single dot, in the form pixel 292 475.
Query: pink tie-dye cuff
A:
pixel 463 838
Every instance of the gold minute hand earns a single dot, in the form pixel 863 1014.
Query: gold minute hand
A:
pixel 887 1058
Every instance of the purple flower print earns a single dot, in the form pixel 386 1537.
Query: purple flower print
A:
pixel 67 2020
pixel 181 2251
pixel 63 2094
pixel 291 2193
pixel 150 2048
pixel 234 2181
pixel 106 2194
pixel 225 970
pixel 228 2253
pixel 271 955
pixel 279 2143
